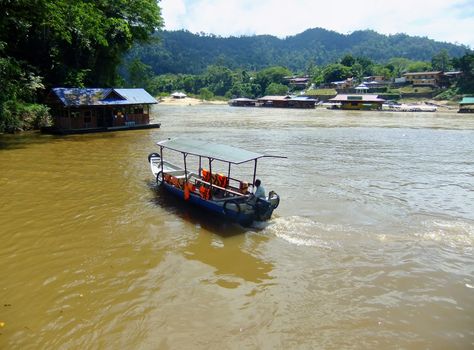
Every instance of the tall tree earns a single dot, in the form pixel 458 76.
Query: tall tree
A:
pixel 67 43
pixel 271 75
pixel 219 79
pixel 76 42
pixel 336 72
pixel 441 61
pixel 348 60
pixel 466 65
pixel 139 73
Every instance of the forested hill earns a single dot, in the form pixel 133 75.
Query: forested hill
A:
pixel 185 52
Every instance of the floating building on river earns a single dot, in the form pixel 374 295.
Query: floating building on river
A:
pixel 276 101
pixel 358 102
pixel 85 110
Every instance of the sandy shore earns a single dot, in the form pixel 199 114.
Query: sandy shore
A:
pixel 443 106
pixel 188 101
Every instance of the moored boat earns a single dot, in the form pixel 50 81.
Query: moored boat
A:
pixel 221 194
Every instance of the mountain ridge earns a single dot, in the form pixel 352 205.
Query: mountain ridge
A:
pixel 181 51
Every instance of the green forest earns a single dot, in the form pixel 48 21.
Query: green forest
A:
pixel 120 43
pixel 210 66
pixel 46 43
pixel 187 53
pixel 221 81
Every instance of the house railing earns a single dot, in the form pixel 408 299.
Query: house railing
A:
pixel 133 119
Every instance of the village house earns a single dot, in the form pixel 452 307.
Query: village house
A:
pixel 298 83
pixel 242 102
pixel 451 76
pixel 80 110
pixel 358 102
pixel 375 81
pixel 286 102
pixel 375 78
pixel 433 79
pixel 343 84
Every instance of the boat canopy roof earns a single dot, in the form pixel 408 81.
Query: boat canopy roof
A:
pixel 211 150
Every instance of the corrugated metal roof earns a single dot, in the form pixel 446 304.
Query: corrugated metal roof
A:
pixel 242 99
pixel 274 98
pixel 211 150
pixel 304 98
pixel 136 95
pixel 356 98
pixel 467 101
pixel 423 73
pixel 75 97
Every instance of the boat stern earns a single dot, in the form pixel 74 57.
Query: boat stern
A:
pixel 264 207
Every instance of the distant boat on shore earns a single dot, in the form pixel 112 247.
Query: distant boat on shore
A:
pixel 409 108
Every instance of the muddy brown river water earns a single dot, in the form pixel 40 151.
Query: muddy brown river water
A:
pixel 370 248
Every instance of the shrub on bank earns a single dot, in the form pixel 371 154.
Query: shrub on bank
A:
pixel 316 92
pixel 451 93
pixel 16 116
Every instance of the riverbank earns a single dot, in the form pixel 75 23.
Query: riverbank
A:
pixel 188 101
pixel 443 106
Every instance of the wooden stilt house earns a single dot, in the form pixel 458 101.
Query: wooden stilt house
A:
pixel 77 110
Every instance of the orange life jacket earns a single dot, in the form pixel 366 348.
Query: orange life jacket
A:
pixel 186 192
pixel 206 175
pixel 205 192
pixel 222 180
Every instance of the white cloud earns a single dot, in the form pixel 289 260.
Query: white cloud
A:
pixel 451 21
pixel 172 12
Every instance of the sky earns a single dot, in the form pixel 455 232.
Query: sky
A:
pixel 442 20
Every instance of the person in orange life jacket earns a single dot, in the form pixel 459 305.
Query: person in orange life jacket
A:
pixel 259 190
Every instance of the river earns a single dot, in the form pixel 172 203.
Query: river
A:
pixel 370 248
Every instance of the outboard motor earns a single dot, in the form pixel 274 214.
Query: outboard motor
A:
pixel 274 199
pixel 263 209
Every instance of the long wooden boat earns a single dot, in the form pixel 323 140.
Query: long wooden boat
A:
pixel 218 193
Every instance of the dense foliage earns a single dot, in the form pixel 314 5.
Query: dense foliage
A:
pixel 46 43
pixel 188 53
pixel 218 80
pixel 466 65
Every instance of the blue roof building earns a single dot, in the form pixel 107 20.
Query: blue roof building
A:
pixel 76 110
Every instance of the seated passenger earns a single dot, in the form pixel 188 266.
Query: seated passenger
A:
pixel 244 187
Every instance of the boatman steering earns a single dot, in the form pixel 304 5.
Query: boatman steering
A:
pixel 259 190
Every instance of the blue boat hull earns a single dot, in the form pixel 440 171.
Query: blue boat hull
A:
pixel 213 207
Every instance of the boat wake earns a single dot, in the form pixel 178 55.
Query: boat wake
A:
pixel 456 234
pixel 303 231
